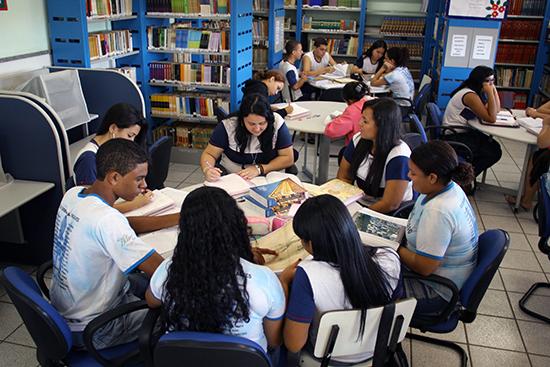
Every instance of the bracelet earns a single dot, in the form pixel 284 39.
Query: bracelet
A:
pixel 258 167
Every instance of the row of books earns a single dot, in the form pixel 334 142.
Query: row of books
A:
pixel 109 43
pixel 403 26
pixel 332 25
pixel 510 99
pixel 203 7
pixel 340 46
pixel 99 8
pixel 526 7
pixel 521 29
pixel 545 83
pixel 260 29
pixel 259 57
pixel 539 99
pixel 514 77
pixel 185 38
pixel 187 58
pixel 193 136
pixel 187 105
pixel 260 5
pixel 415 47
pixel 190 73
pixel 129 71
pixel 513 53
pixel 343 3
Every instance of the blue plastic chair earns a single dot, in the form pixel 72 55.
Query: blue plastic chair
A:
pixel 492 247
pixel 543 209
pixel 419 102
pixel 159 162
pixel 51 333
pixel 415 122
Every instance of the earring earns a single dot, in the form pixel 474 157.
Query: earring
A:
pixel 112 135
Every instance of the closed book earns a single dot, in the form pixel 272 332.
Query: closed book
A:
pixel 278 195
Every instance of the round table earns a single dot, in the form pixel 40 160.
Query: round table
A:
pixel 315 124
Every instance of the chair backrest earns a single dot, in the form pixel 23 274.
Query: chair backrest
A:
pixel 419 128
pixel 413 140
pixel 159 161
pixel 435 117
pixel 47 327
pixel 347 343
pixel 544 208
pixel 220 113
pixel 208 349
pixel 421 99
pixel 491 248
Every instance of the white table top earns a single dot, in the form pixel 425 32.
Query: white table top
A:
pixel 326 84
pixel 19 192
pixel 315 123
pixel 519 134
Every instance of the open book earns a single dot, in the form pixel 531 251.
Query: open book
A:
pixel 377 229
pixel 532 125
pixel 340 71
pixel 159 204
pixel 342 190
pixel 504 119
pixel 297 113
pixel 232 183
pixel 163 241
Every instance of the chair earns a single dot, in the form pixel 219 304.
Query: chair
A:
pixel 413 140
pixel 543 210
pixel 41 275
pixel 220 113
pixel 417 126
pixel 51 333
pixel 421 99
pixel 385 329
pixel 492 247
pixel 159 154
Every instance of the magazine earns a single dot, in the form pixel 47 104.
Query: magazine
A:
pixel 377 229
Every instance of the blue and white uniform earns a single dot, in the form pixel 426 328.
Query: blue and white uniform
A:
pixel 366 64
pixel 292 76
pixel 401 83
pixel 266 297
pixel 85 171
pixel 396 167
pixel 232 159
pixel 444 228
pixel 94 250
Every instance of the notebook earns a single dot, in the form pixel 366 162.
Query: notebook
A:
pixel 232 183
pixel 159 204
pixel 298 112
pixel 504 119
pixel 532 125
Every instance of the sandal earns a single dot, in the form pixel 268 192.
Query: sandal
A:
pixel 511 200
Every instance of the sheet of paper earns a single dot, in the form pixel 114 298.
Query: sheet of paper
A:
pixel 458 45
pixel 482 47
pixel 163 241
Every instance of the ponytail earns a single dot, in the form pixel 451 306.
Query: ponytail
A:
pixel 463 175
pixel 354 91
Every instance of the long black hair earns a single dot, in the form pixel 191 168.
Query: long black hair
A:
pixel 439 157
pixel 326 222
pixel 124 115
pixel 258 105
pixel 376 44
pixel 206 285
pixel 475 80
pixel 400 55
pixel 354 91
pixel 387 117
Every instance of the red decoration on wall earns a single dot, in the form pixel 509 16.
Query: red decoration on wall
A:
pixel 3 5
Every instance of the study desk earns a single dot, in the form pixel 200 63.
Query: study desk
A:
pixel 315 124
pixel 520 135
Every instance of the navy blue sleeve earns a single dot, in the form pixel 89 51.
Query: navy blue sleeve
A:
pixel 85 171
pixel 301 305
pixel 284 139
pixel 348 153
pixel 359 62
pixel 291 77
pixel 219 137
pixel 398 168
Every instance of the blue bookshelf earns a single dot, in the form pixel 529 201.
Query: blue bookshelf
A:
pixel 540 89
pixel 272 12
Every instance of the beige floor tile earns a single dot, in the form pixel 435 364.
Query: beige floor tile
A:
pixel 513 185
pixel 520 281
pixel 487 357
pixel 536 337
pixel 496 283
pixel 172 184
pixel 540 304
pixel 509 224
pixel 539 361
pixel 182 167
pixel 521 260
pixel 10 320
pixel 529 226
pixel 484 328
pixel 495 303
pixel 518 241
pixel 424 354
pixel 492 208
pixel 457 335
pixel 487 194
pixel 177 175
pixel 544 261
pixel 508 176
pixel 21 336
pixel 17 355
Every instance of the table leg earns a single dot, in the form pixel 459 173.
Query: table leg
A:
pixel 324 156
pixel 304 167
pixel 315 171
pixel 528 153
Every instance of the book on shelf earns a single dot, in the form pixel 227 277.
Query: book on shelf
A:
pixel 160 203
pixel 516 54
pixel 179 37
pixel 190 73
pixel 232 183
pixel 195 7
pixel 102 8
pixel 376 229
pixel 415 47
pixel 277 197
pixel 109 43
pixel 514 77
pixel 532 125
pixel 192 136
pixel 260 5
pixel 526 7
pixel 340 46
pixel 411 26
pixel 187 105
pixel 308 23
pixel 297 113
pixel 330 3
pixel 511 99
pixel 344 191
pixel 520 29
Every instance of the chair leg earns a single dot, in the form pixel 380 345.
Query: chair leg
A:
pixel 444 343
pixel 525 298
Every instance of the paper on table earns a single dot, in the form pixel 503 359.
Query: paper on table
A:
pixel 532 125
pixel 232 183
pixel 160 203
pixel 163 241
pixel 297 113
pixel 340 71
pixel 177 195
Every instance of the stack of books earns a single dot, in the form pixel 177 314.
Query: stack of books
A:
pixel 512 53
pixel 109 43
pixel 260 32
pixel 107 8
pixel 330 25
pixel 521 29
pixel 186 105
pixel 202 7
pixel 190 73
pixel 192 136
pixel 174 38
pixel 403 26
pixel 514 77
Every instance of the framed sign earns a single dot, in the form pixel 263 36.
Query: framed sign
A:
pixel 486 9
pixel 3 5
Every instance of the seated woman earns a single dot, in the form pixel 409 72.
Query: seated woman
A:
pixel 253 143
pixel 475 98
pixel 211 284
pixel 396 75
pixel 294 80
pixel 267 83
pixel 347 124
pixel 377 158
pixel 343 273
pixel 442 230
pixel 372 59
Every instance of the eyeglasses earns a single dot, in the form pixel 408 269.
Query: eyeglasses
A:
pixel 490 79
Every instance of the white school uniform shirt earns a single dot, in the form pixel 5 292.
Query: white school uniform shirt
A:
pixel 265 295
pixel 325 61
pixel 456 112
pixel 401 83
pixel 94 250
pixel 290 94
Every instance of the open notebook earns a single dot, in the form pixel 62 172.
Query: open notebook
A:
pixel 298 112
pixel 532 125
pixel 504 119
pixel 232 183
pixel 160 203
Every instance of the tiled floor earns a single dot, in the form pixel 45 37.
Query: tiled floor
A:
pixel 502 335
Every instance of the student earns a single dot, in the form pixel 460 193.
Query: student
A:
pixel 347 124
pixel 343 273
pixel 253 143
pixel 475 98
pixel 396 75
pixel 95 248
pixel 267 83
pixel 372 59
pixel 542 112
pixel 442 230
pixel 318 61
pixel 294 80
pixel 377 158
pixel 211 284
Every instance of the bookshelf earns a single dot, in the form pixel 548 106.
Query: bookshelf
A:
pixel 522 53
pixel 268 33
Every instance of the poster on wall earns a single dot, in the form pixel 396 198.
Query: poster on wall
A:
pixel 486 9
pixel 3 5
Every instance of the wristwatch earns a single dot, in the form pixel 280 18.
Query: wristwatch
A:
pixel 260 169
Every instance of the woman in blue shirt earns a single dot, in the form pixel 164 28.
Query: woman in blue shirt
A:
pixel 442 231
pixel 253 143
pixel 377 159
